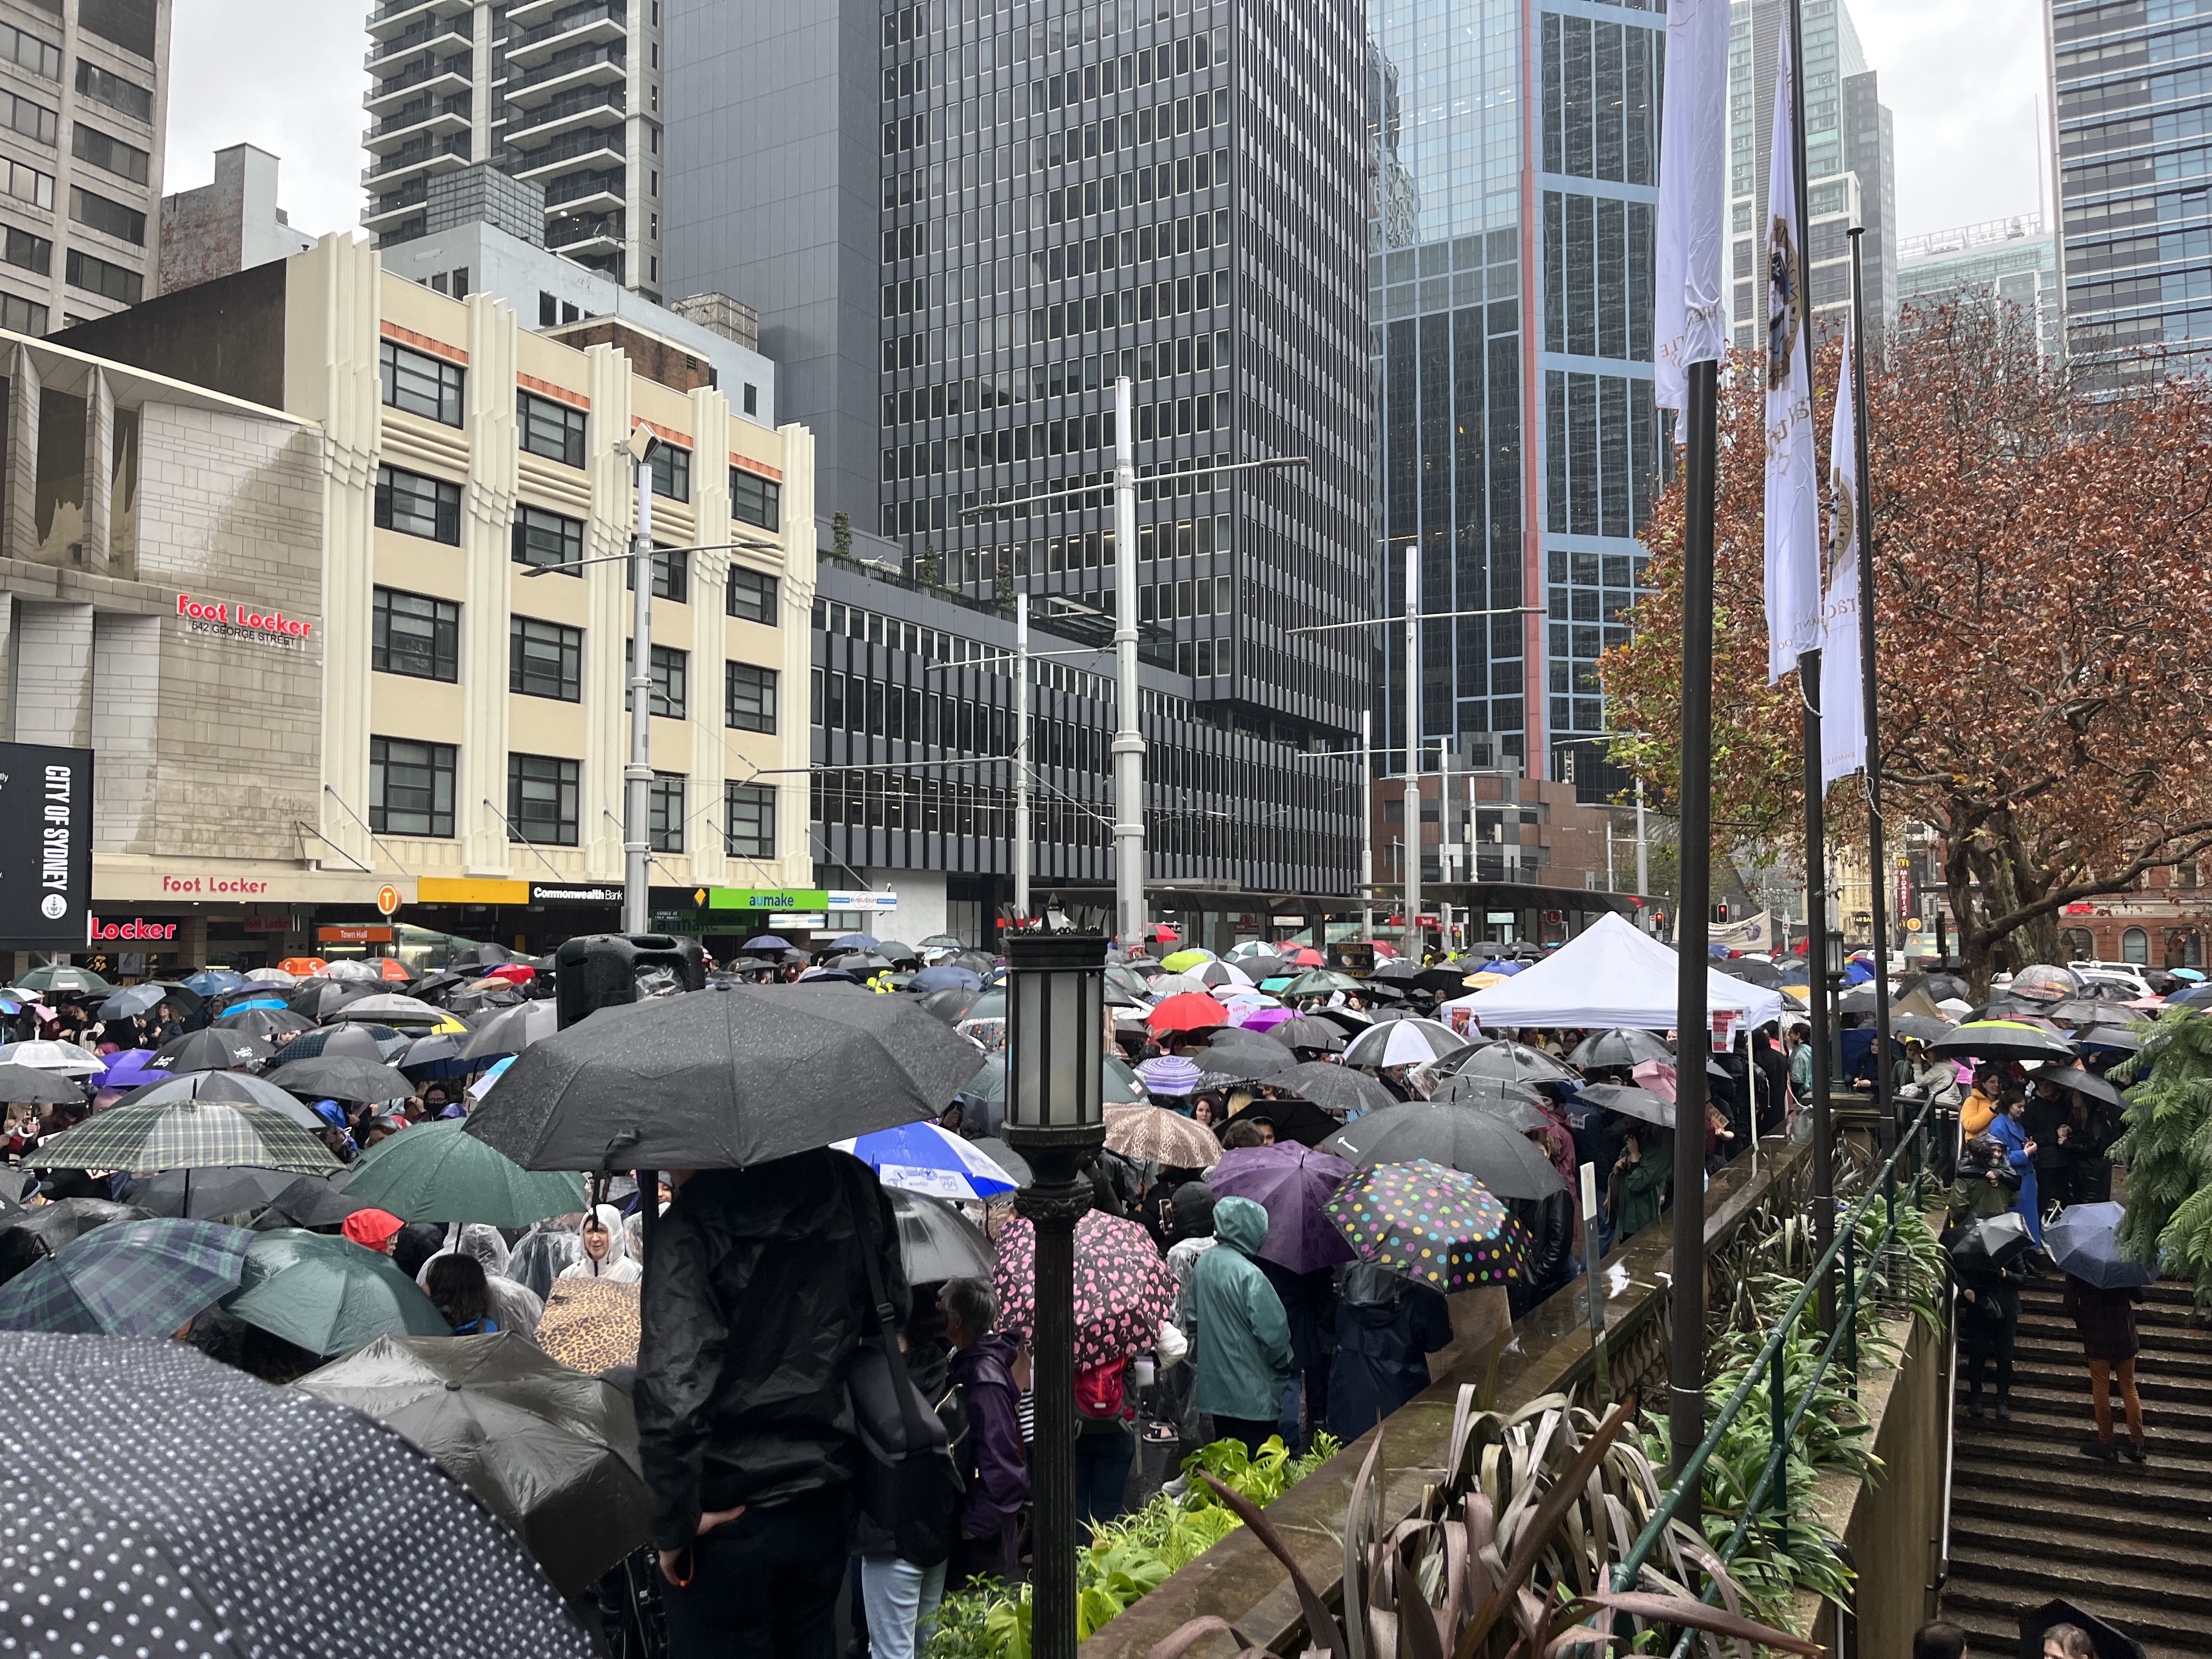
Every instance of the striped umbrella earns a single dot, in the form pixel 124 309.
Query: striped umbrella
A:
pixel 131 1279
pixel 1430 1223
pixel 183 1134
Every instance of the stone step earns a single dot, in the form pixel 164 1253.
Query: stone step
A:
pixel 1993 1471
pixel 2060 1536
pixel 2188 1396
pixel 1993 1629
pixel 2183 1606
pixel 1991 1612
pixel 2053 1354
pixel 2126 1516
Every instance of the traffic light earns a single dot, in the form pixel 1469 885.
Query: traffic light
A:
pixel 599 970
pixel 1720 911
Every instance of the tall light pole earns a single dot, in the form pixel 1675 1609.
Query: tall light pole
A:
pixel 1128 735
pixel 1414 751
pixel 1022 753
pixel 637 776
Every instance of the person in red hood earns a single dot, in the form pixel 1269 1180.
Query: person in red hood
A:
pixel 373 1230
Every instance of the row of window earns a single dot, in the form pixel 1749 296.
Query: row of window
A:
pixel 908 714
pixel 932 645
pixel 415 504
pixel 949 400
pixel 1072 435
pixel 420 636
pixel 412 788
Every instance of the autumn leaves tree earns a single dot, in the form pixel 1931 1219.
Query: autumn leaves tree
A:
pixel 2043 568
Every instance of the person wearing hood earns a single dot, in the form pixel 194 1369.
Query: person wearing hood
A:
pixel 373 1230
pixel 995 1471
pixel 605 1255
pixel 1240 1336
pixel 540 1255
pixel 516 1307
pixel 1386 1324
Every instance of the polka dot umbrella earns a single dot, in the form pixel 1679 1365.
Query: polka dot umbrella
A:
pixel 1430 1223
pixel 162 1503
pixel 1122 1288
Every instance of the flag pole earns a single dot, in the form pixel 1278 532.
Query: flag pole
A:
pixel 1877 858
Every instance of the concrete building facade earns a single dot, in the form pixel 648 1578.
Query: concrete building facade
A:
pixel 232 224
pixel 2004 261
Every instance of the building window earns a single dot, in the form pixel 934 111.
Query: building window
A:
pixel 110 90
pixel 32 252
pixel 663 802
pixel 2134 946
pixel 33 121
pixel 18 47
pixel 548 538
pixel 411 787
pixel 751 596
pixel 753 398
pixel 748 695
pixel 19 316
pixel 109 154
pixel 550 428
pixel 755 500
pixel 114 282
pixel 125 224
pixel 670 673
pixel 671 574
pixel 28 184
pixel 671 472
pixel 419 384
pixel 415 505
pixel 544 659
pixel 2081 946
pixel 542 800
pixel 128 23
pixel 748 831
pixel 414 635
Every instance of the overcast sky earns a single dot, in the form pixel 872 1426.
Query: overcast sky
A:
pixel 1965 78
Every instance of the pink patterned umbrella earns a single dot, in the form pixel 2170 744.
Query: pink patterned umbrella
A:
pixel 1122 1288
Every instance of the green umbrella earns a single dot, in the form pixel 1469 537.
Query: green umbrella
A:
pixel 186 1134
pixel 1321 982
pixel 434 1172
pixel 329 1295
pixel 65 982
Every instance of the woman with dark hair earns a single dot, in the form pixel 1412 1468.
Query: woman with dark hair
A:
pixel 457 1284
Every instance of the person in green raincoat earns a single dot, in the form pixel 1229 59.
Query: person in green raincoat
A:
pixel 1642 1173
pixel 1240 1335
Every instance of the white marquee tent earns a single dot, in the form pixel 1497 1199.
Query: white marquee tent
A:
pixel 1610 975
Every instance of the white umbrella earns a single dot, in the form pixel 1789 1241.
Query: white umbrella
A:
pixel 65 1058
pixel 1219 974
pixel 1170 985
pixel 1403 1042
pixel 271 976
pixel 352 967
pixel 388 1008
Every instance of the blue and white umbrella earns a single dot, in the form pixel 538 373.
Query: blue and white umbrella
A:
pixel 924 1158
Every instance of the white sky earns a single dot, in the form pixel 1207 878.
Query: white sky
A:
pixel 1964 77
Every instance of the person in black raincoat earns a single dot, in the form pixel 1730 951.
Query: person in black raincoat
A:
pixel 1310 1303
pixel 1386 1326
pixel 755 1298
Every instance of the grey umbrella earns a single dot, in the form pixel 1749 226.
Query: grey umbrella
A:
pixel 1639 1104
pixel 131 1001
pixel 239 1086
pixel 1516 1062
pixel 1625 1047
pixel 1458 1136
pixel 723 1079
pixel 1307 1032
pixel 209 1194
pixel 341 1041
pixel 341 1078
pixel 1254 1058
pixel 29 1084
pixel 936 1241
pixel 1337 1089
pixel 1513 1103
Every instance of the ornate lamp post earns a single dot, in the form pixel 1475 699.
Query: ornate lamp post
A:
pixel 1055 1117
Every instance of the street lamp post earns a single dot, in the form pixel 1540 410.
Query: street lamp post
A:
pixel 1055 1117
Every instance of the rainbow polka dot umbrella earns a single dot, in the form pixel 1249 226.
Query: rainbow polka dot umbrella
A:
pixel 1433 1225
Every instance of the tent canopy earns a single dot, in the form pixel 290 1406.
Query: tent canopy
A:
pixel 1612 974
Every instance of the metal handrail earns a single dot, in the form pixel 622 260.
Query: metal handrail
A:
pixel 1769 1364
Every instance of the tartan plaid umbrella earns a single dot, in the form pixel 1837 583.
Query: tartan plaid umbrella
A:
pixel 132 1279
pixel 1122 1288
pixel 184 1135
pixel 1430 1223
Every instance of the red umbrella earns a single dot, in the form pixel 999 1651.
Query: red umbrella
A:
pixel 392 968
pixel 1122 1288
pixel 1164 934
pixel 515 973
pixel 1306 957
pixel 1188 1011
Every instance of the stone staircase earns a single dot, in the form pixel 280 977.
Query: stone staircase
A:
pixel 2033 1518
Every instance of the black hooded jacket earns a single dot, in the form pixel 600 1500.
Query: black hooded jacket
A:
pixel 756 1296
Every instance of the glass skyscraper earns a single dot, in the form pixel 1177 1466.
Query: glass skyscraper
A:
pixel 2132 89
pixel 1513 186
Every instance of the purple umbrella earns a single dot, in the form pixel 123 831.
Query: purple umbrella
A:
pixel 1259 1019
pixel 1290 1182
pixel 130 1068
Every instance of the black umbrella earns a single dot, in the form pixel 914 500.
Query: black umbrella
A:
pixel 318 998
pixel 2088 1085
pixel 1016 1166
pixel 1254 1058
pixel 261 1520
pixel 510 1031
pixel 36 1087
pixel 1993 1241
pixel 263 1023
pixel 310 1201
pixel 1638 1103
pixel 936 1241
pixel 1305 1031
pixel 27 1235
pixel 551 1451
pixel 131 1001
pixel 1515 1061
pixel 1940 987
pixel 431 1059
pixel 212 1049
pixel 2109 1642
pixel 1465 1138
pixel 368 1042
pixel 209 1193
pixel 2002 1040
pixel 340 1077
pixel 1302 1120
pixel 1751 971
pixel 1917 1027
pixel 1624 1048
pixel 2109 1036
pixel 1339 1089
pixel 1350 1021
pixel 722 1078
pixel 1514 1102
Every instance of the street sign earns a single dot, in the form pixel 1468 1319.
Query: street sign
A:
pixel 387 899
pixel 45 845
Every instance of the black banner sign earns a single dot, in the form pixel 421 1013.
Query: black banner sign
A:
pixel 45 845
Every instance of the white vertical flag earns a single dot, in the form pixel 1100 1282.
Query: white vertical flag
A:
pixel 1793 531
pixel 1691 323
pixel 1843 692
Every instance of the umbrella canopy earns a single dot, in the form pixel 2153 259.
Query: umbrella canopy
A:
pixel 1293 1184
pixel 944 976
pixel 2003 1039
pixel 2085 1241
pixel 1305 1031
pixel 1459 1137
pixel 1337 1089
pixel 1995 1240
pixel 209 1193
pixel 1515 1103
pixel 134 1279
pixel 390 1009
pixel 944 942
pixel 367 1042
pixel 435 1058
pixel 1435 1226
pixel 1639 1104
pixel 439 1172
pixel 590 1324
pixel 1187 1011
pixel 214 981
pixel 340 1077
pixel 67 981
pixel 1917 1027
pixel 1180 961
pixel 212 1050
pixel 1301 1120
pixel 236 1087
pixel 1750 971
pixel 66 1059
pixel 1223 972
pixel 854 942
pixel 766 942
pixel 1254 1058
pixel 921 1158
pixel 2109 1036
pixel 31 1236
pixel 131 1001
pixel 310 1201
pixel 271 976
pixel 511 1030
pixel 355 969
pixel 552 1453
pixel 318 998
pixel 1516 1062
pixel 1153 1135
pixel 329 1295
pixel 936 1241
pixel 1122 1288
pixel 1403 1042
pixel 1624 1047
pixel 131 1069
pixel 2088 1085
pixel 29 1084
pixel 1319 982
pixel 263 1023
pixel 141 1134
pixel 259 1521
pixel 723 1079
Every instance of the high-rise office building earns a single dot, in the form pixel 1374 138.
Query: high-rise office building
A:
pixel 2132 92
pixel 563 94
pixel 2006 261
pixel 85 85
pixel 1850 174
pixel 1513 174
